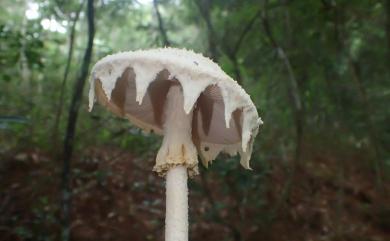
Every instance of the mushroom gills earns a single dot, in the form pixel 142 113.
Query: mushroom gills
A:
pixel 208 112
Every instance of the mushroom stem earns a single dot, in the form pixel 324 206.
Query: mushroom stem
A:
pixel 177 147
pixel 176 157
pixel 176 214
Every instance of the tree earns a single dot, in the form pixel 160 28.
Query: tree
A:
pixel 72 121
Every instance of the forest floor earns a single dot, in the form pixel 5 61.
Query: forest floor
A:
pixel 118 197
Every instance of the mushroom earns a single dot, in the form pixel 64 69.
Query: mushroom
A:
pixel 189 100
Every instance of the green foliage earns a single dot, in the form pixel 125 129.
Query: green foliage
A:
pixel 338 53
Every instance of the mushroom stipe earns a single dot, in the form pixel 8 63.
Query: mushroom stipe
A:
pixel 189 100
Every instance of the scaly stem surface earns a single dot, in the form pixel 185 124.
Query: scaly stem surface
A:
pixel 176 214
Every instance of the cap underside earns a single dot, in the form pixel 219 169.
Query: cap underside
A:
pixel 209 110
pixel 135 84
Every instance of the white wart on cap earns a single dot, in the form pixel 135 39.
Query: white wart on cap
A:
pixel 149 86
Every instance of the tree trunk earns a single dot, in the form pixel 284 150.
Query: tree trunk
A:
pixel 293 87
pixel 387 13
pixel 25 72
pixel 72 121
pixel 60 105
pixel 366 107
pixel 355 74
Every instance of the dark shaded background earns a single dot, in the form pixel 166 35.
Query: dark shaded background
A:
pixel 318 71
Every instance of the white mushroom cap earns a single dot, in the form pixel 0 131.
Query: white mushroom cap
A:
pixel 135 84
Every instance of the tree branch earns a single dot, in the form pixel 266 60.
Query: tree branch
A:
pixel 246 30
pixel 232 53
pixel 161 27
pixel 204 9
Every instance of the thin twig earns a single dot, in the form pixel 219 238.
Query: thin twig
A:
pixel 204 9
pixel 60 105
pixel 161 26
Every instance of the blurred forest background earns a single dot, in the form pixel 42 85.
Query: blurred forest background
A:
pixel 318 71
